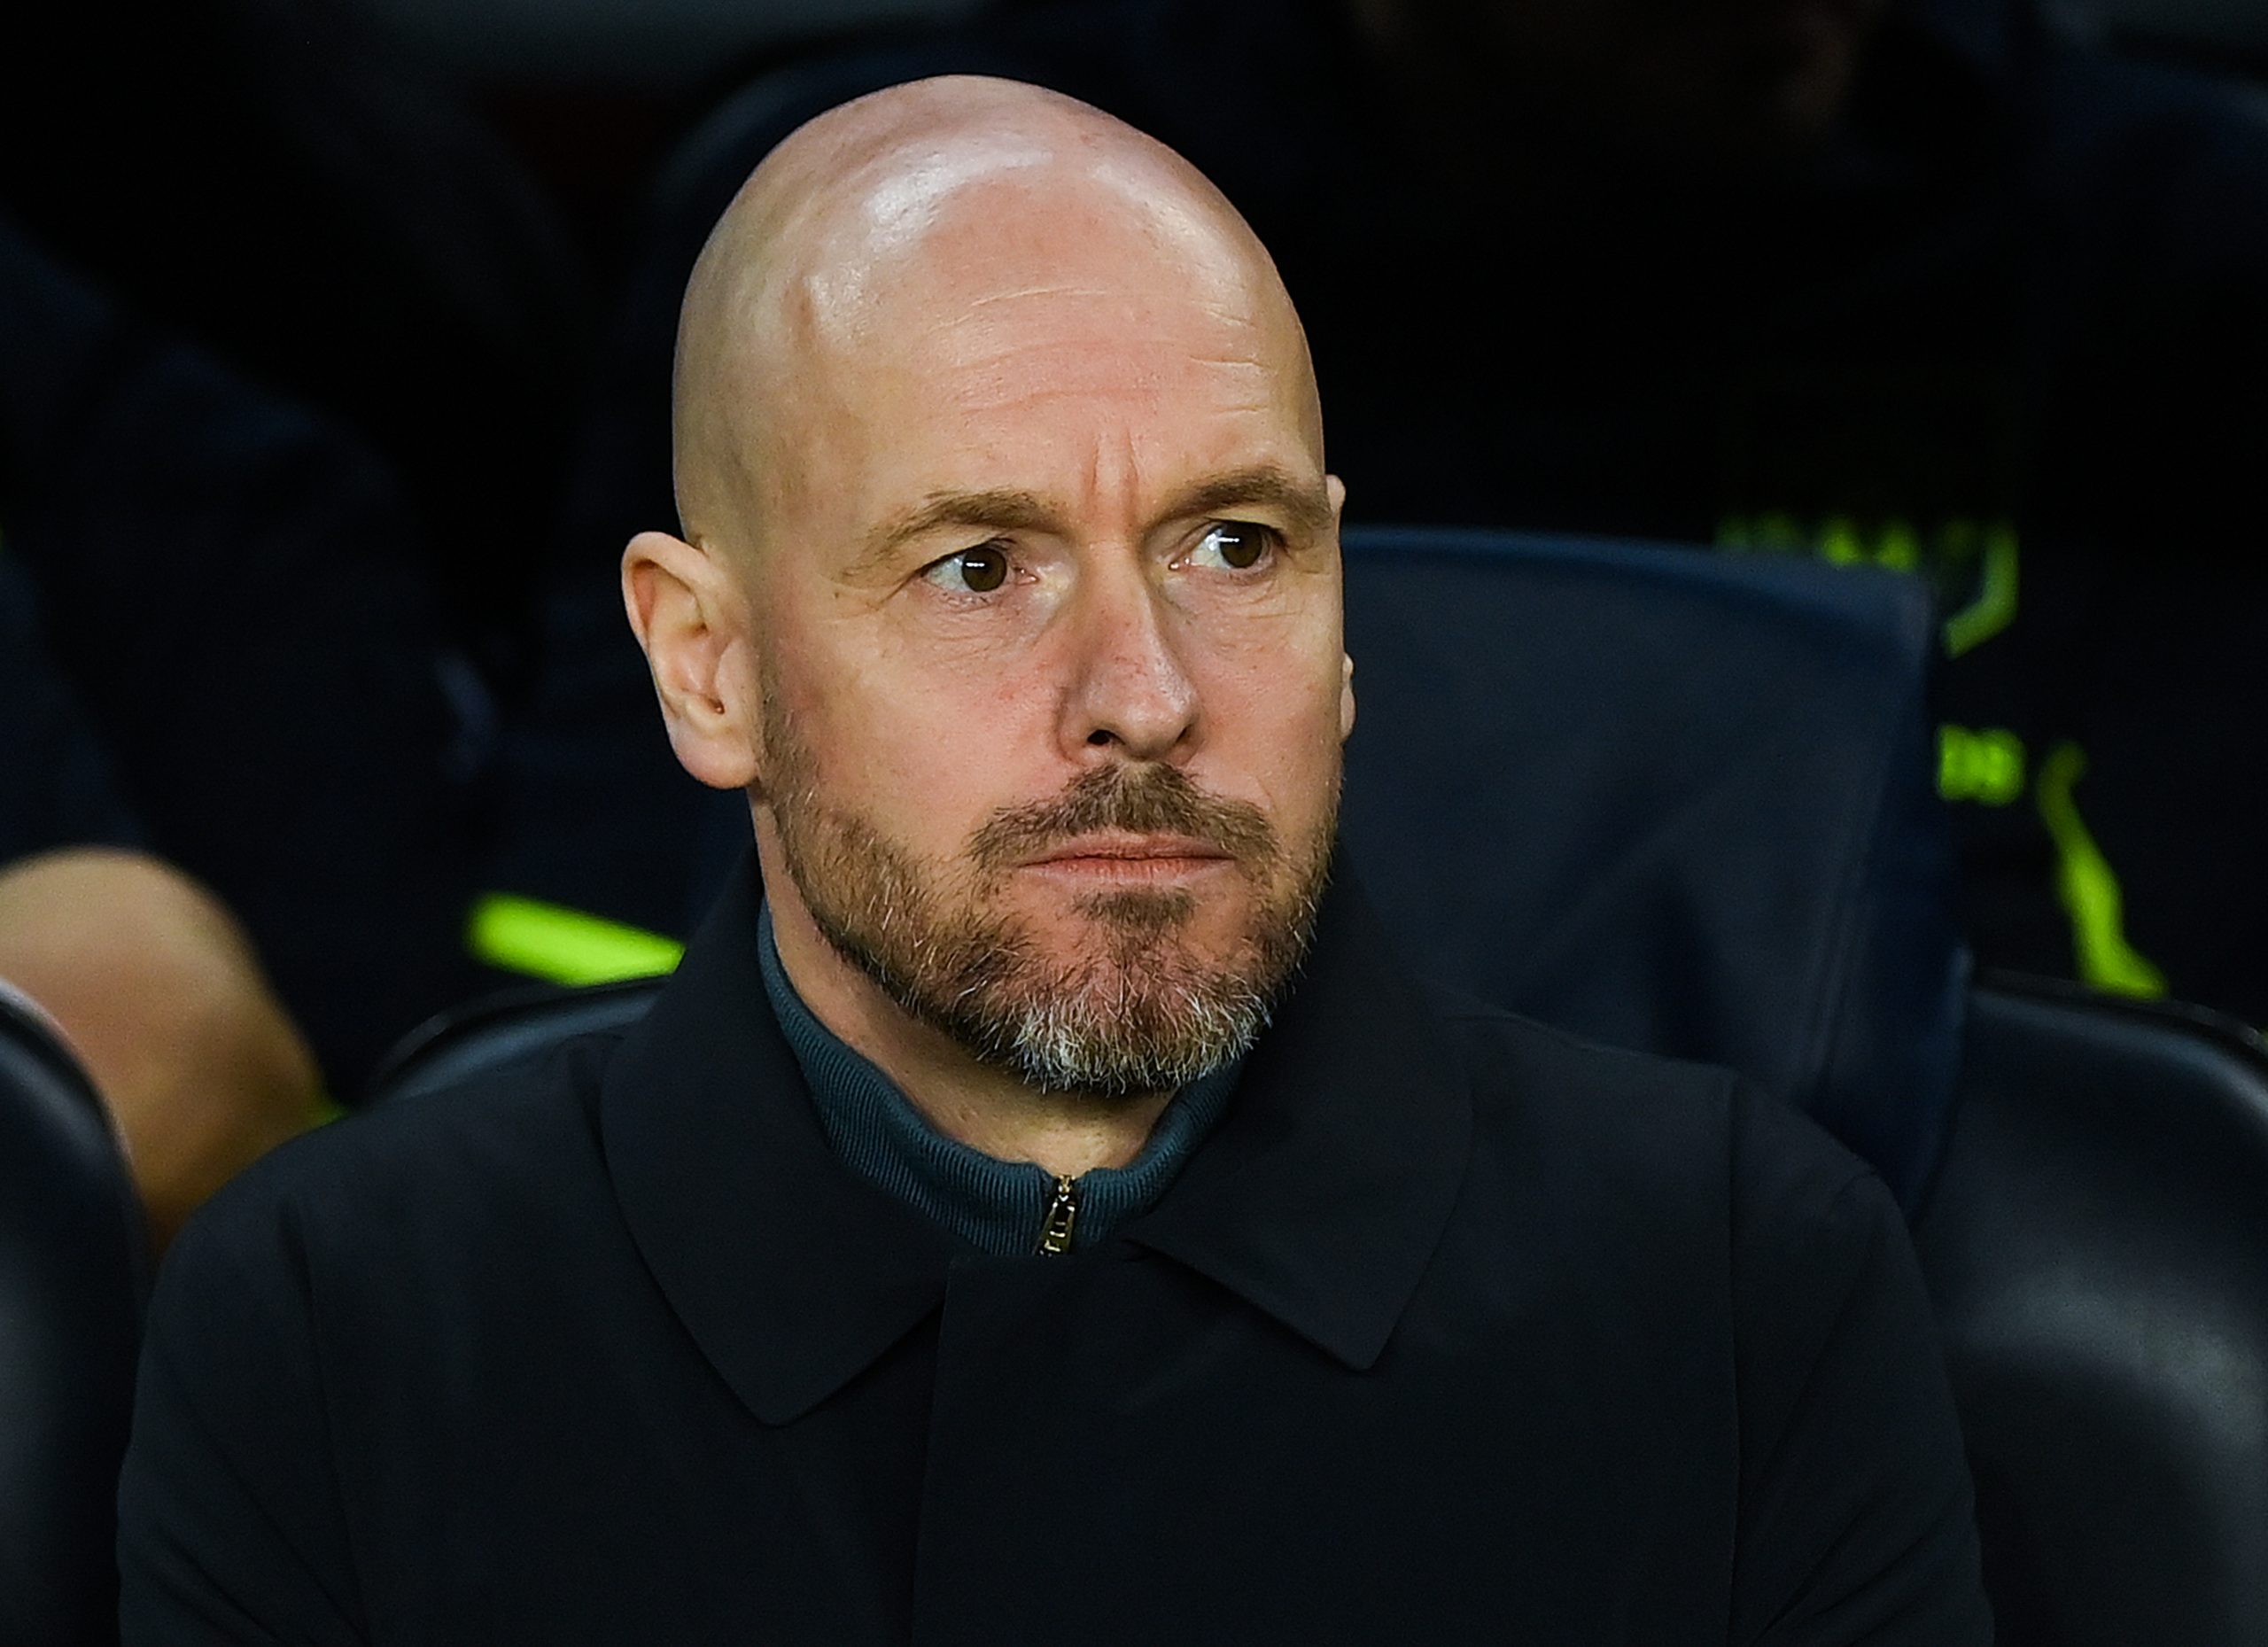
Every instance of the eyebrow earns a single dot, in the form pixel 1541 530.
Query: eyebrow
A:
pixel 1264 485
pixel 996 510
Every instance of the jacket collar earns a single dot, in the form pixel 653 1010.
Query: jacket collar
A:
pixel 1319 1198
pixel 791 1273
pixel 1324 1192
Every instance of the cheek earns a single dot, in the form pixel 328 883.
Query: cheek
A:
pixel 1275 714
pixel 928 751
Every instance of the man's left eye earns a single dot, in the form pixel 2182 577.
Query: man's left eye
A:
pixel 980 570
pixel 1235 545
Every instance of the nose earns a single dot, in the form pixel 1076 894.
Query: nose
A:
pixel 1128 692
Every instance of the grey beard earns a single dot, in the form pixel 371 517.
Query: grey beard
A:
pixel 1140 1016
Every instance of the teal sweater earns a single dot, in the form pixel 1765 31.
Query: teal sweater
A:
pixel 996 1205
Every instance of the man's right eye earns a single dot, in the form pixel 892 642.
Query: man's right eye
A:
pixel 979 571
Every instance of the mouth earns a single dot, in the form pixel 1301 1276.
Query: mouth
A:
pixel 1138 859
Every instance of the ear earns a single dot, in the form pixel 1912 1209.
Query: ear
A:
pixel 689 614
pixel 1336 489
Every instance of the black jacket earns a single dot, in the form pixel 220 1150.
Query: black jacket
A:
pixel 1456 1330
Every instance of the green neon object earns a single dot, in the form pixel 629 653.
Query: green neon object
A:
pixel 1995 608
pixel 1840 544
pixel 1899 549
pixel 1896 545
pixel 2089 888
pixel 1985 767
pixel 563 945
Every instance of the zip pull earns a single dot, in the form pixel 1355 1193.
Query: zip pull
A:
pixel 1062 1217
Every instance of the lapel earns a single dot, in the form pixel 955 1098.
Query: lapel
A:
pixel 791 1274
pixel 1324 1192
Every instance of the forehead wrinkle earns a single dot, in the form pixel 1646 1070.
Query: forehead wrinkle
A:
pixel 1229 315
pixel 1159 350
pixel 1038 320
pixel 987 299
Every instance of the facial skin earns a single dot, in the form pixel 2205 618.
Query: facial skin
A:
pixel 1011 593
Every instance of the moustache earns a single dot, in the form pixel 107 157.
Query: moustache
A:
pixel 1131 800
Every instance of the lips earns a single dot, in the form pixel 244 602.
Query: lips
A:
pixel 1132 819
pixel 1130 850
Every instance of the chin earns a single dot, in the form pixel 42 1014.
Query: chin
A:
pixel 1135 922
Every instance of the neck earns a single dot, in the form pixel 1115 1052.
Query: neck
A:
pixel 989 1109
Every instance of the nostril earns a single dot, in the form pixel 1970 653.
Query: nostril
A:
pixel 1100 739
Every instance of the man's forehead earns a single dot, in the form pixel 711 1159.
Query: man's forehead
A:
pixel 905 195
pixel 1013 296
pixel 1063 393
pixel 938 245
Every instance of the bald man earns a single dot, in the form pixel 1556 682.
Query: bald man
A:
pixel 1045 1213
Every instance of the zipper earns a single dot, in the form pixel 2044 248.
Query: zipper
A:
pixel 1062 1217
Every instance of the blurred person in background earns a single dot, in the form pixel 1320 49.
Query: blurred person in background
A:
pixel 1915 284
pixel 141 973
pixel 229 592
pixel 151 985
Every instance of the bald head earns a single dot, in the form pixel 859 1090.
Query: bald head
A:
pixel 934 226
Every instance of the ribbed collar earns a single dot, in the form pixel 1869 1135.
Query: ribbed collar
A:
pixel 996 1205
pixel 1318 1198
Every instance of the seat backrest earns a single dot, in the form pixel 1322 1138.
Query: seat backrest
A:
pixel 505 1031
pixel 2097 1244
pixel 1679 802
pixel 74 1274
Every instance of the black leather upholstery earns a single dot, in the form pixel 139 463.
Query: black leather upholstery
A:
pixel 2097 1242
pixel 74 1272
pixel 1677 802
pixel 502 1032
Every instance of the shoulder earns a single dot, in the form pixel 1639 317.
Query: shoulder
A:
pixel 1648 1130
pixel 1650 1166
pixel 1747 1284
pixel 430 1173
pixel 1501 1048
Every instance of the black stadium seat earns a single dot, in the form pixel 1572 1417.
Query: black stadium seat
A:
pixel 503 1032
pixel 2097 1243
pixel 73 1276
